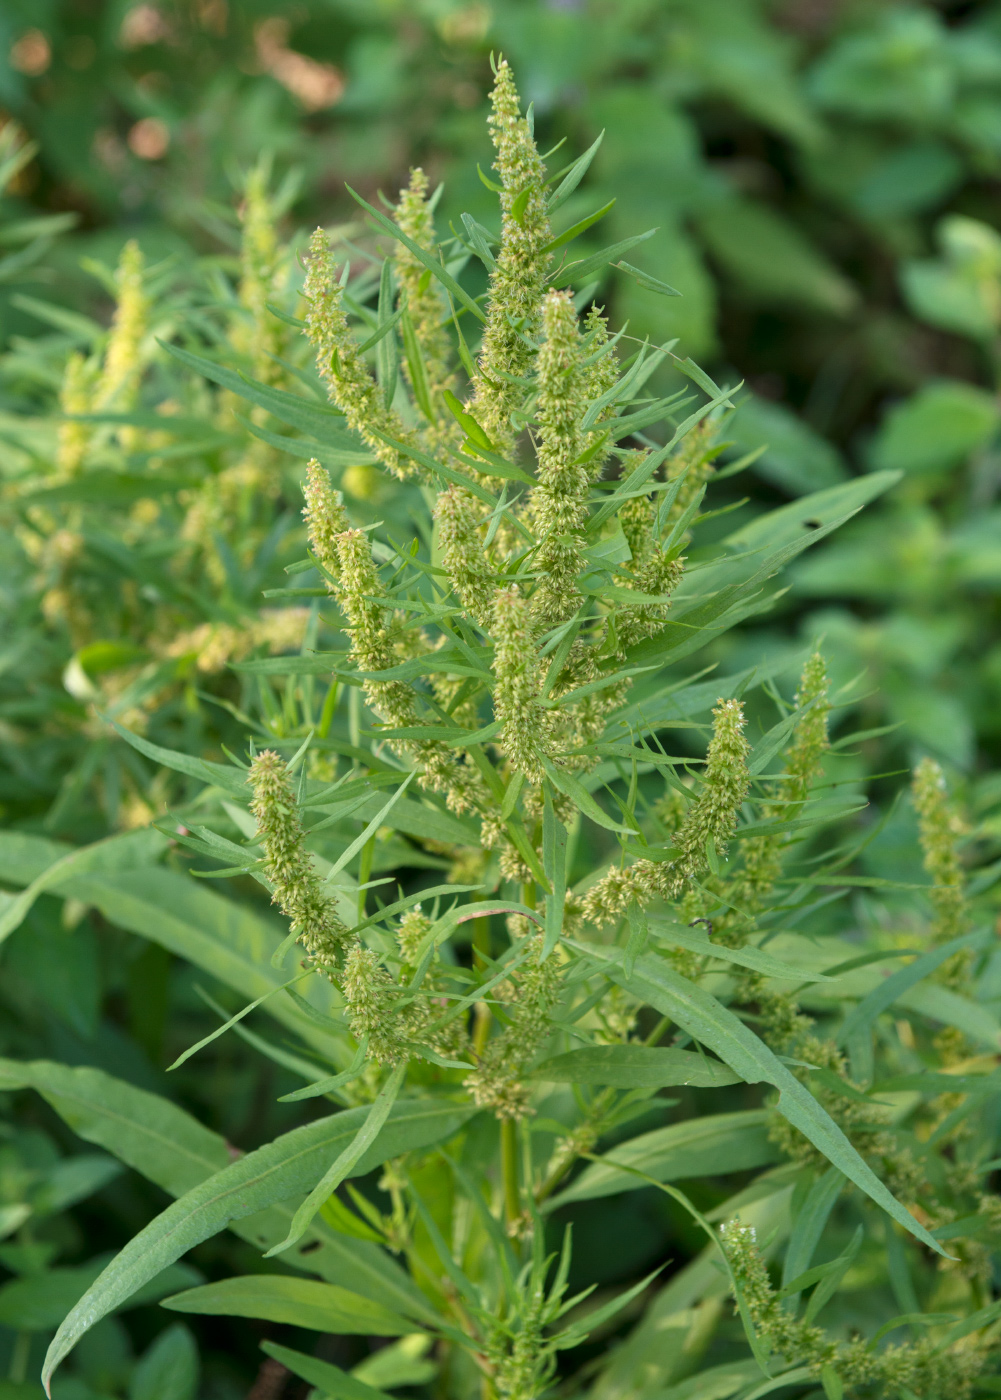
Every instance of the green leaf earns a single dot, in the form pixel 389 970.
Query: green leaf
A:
pixel 771 259
pixel 373 826
pixel 834 1272
pixel 437 468
pixel 226 939
pixel 796 459
pixel 303 1302
pixel 636 1067
pixel 466 421
pixel 387 361
pixel 480 239
pixel 575 230
pixel 713 1025
pixel 579 272
pixel 554 863
pixel 708 1146
pixel 223 775
pixel 579 795
pixel 574 175
pixel 856 1027
pixel 435 268
pixel 115 853
pixel 177 1153
pixel 38 1302
pixel 346 1160
pixel 810 1224
pixel 682 936
pixel 648 283
pixel 305 448
pixel 937 428
pixel 309 416
pixel 274 1173
pixel 168 1369
pixel 327 1379
pixel 415 364
pixel 519 204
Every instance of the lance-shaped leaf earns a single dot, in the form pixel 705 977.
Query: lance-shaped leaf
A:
pixel 287 1167
pixel 636 1067
pixel 303 1302
pixel 433 266
pixel 700 1147
pixel 714 1025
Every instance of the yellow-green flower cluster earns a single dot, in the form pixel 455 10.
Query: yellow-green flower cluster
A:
pixel 558 503
pixel 940 829
pixel 92 387
pixel 518 279
pixel 373 1007
pixel 526 732
pixel 324 515
pixel 920 1368
pixel 462 554
pixel 377 642
pixel 118 382
pixel 295 885
pixel 762 855
pixel 695 455
pixel 499 1080
pixel 349 380
pixel 75 396
pixel 709 822
pixel 263 337
pixel 421 294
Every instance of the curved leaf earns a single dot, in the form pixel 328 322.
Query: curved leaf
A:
pixel 712 1024
pixel 304 1302
pixel 287 1167
pixel 636 1067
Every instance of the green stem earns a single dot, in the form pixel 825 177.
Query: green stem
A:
pixel 365 872
pixel 658 1031
pixel 509 1170
pixel 329 706
pixel 528 894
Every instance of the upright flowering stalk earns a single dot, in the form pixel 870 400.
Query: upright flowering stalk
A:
pixel 462 553
pixel 516 688
pixel 75 396
pixel 940 828
pixel 694 456
pixel 709 823
pixel 517 281
pixel 922 1367
pixel 763 854
pixel 349 380
pixel 500 1081
pixel 558 504
pixel 118 382
pixel 421 297
pixel 295 884
pixel 378 641
pixel 601 370
pixel 263 336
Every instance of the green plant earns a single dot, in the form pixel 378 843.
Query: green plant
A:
pixel 518 655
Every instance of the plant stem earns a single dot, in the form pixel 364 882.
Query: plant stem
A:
pixel 509 1170
pixel 327 712
pixel 365 872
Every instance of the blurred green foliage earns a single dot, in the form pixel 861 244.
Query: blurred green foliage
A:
pixel 823 178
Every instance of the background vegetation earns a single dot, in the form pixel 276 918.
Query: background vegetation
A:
pixel 823 179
